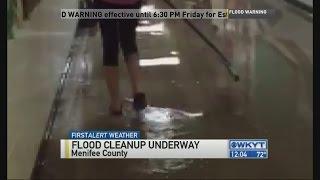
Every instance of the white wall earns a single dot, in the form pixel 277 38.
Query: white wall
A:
pixel 308 2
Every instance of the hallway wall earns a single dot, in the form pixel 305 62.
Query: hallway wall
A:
pixel 35 59
pixel 307 2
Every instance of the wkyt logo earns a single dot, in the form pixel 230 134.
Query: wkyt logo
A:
pixel 252 144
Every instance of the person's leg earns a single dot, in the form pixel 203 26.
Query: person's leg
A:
pixel 130 52
pixel 127 29
pixel 132 62
pixel 112 79
pixel 109 30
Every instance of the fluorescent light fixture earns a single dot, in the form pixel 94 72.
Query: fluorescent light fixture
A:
pixel 156 33
pixel 147 8
pixel 174 53
pixel 160 61
pixel 144 22
pixel 151 28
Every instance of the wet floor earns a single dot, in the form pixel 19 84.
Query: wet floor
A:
pixel 191 95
